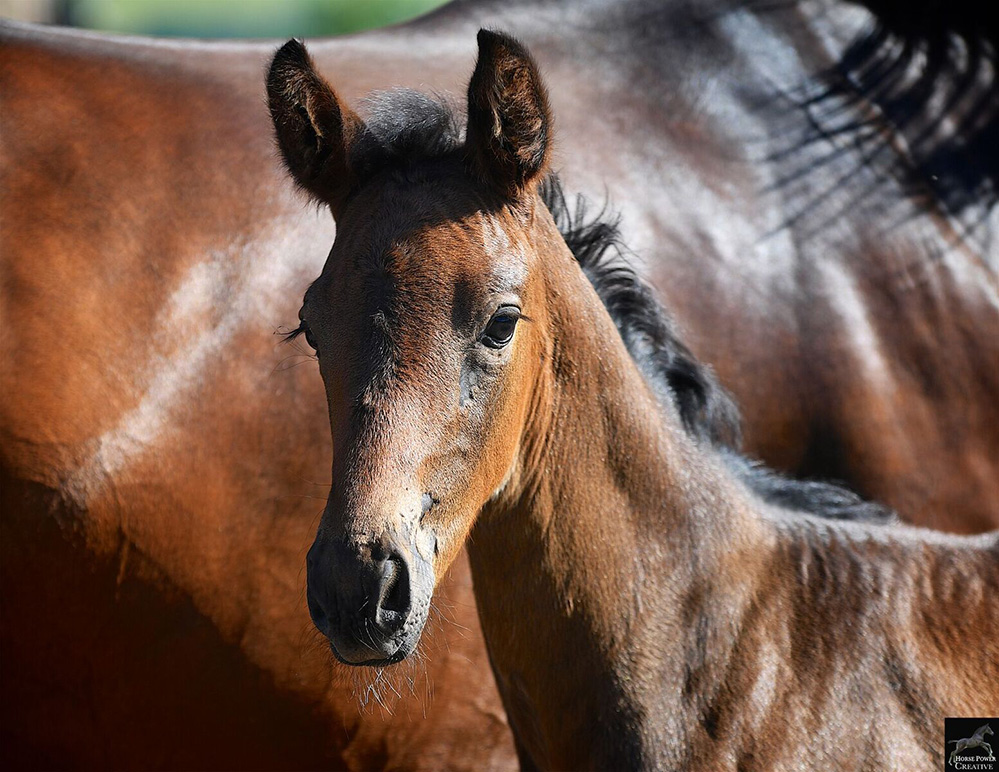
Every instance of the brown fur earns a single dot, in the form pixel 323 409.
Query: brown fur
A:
pixel 318 125
pixel 641 607
pixel 158 493
pixel 129 166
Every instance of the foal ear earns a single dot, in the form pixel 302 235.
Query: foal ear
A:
pixel 509 122
pixel 315 130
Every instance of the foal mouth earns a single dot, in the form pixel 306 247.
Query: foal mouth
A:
pixel 378 652
pixel 395 658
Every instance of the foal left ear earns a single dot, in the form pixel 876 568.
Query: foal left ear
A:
pixel 509 122
pixel 315 130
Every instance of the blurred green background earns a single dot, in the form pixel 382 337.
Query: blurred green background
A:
pixel 220 18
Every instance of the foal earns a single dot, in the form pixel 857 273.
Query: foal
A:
pixel 643 607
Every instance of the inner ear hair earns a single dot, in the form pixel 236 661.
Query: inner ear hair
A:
pixel 314 128
pixel 509 121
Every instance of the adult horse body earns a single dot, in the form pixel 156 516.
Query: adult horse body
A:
pixel 643 607
pixel 157 474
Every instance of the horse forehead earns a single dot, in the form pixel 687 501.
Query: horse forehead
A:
pixel 482 252
pixel 420 244
pixel 499 235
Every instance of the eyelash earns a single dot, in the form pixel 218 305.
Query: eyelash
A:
pixel 302 329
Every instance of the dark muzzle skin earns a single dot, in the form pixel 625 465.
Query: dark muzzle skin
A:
pixel 370 600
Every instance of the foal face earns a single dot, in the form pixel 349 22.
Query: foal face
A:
pixel 422 320
pixel 429 324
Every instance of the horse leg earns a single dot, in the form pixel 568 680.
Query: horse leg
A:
pixel 986 746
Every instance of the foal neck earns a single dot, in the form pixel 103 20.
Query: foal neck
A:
pixel 592 566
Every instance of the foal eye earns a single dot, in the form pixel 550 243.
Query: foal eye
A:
pixel 501 327
pixel 304 329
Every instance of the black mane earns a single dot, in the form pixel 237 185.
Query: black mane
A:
pixel 406 127
pixel 650 335
pixel 653 340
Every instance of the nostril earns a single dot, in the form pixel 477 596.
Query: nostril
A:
pixel 393 602
pixel 395 595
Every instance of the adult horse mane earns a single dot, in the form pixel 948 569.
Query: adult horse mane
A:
pixel 643 609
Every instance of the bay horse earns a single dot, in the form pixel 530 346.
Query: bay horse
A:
pixel 644 607
pixel 162 464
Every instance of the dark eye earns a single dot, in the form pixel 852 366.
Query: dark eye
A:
pixel 501 327
pixel 303 329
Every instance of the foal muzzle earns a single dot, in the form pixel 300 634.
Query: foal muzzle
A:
pixel 371 600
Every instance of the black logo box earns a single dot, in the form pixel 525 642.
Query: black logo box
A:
pixel 970 758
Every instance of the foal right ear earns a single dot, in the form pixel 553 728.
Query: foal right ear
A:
pixel 315 130
pixel 509 121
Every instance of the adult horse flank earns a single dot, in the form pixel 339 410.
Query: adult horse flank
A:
pixel 644 607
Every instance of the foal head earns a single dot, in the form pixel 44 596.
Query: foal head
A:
pixel 429 322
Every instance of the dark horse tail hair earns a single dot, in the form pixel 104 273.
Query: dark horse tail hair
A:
pixel 915 57
pixel 651 336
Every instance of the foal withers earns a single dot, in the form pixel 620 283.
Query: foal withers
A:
pixel 642 608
